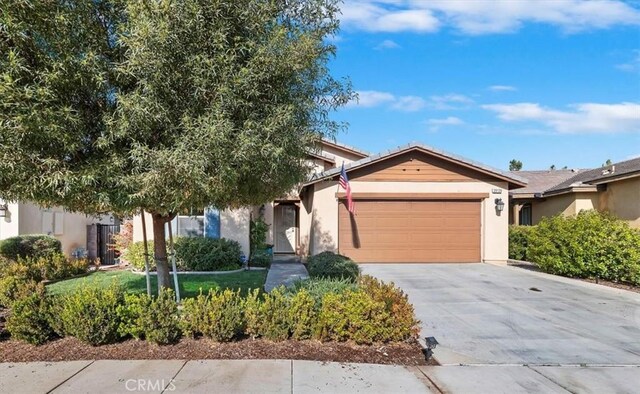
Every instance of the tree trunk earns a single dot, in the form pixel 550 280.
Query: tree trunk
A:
pixel 160 250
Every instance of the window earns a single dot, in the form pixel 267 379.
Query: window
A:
pixel 525 218
pixel 190 225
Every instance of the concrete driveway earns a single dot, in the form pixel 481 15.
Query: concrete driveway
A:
pixel 487 314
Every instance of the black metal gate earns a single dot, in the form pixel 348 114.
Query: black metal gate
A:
pixel 106 246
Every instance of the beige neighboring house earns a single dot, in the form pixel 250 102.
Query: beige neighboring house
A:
pixel 414 204
pixel 76 232
pixel 614 189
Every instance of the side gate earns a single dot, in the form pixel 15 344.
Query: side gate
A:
pixel 106 249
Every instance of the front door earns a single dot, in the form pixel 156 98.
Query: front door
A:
pixel 285 226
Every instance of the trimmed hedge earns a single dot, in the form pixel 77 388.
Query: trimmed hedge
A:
pixel 34 245
pixel 332 265
pixel 588 245
pixel 192 254
pixel 371 311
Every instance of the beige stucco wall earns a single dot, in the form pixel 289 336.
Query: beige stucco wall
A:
pixel 27 218
pixel 319 216
pixel 234 225
pixel 622 199
pixel 566 204
pixel 339 155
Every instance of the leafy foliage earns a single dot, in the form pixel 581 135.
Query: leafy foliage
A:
pixel 332 265
pixel 29 318
pixel 208 254
pixel 519 241
pixel 154 319
pixel 589 245
pixel 114 106
pixel 261 258
pixel 134 255
pixel 515 165
pixel 318 287
pixel 218 315
pixel 258 230
pixel 30 246
pixel 90 314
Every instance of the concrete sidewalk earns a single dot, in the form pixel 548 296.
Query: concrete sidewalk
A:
pixel 293 376
pixel 285 271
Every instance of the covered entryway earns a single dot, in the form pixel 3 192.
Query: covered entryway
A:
pixel 411 231
pixel 285 228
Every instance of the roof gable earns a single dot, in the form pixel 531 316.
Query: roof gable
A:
pixel 446 161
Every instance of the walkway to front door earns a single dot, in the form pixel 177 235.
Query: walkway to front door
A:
pixel 285 271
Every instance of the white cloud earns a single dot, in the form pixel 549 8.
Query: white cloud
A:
pixel 502 88
pixel 375 16
pixel 409 104
pixel 450 101
pixel 374 98
pixel 371 98
pixel 632 65
pixel 582 118
pixel 476 17
pixel 387 44
pixel 448 121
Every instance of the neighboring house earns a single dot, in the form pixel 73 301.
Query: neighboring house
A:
pixel 413 204
pixel 614 189
pixel 75 231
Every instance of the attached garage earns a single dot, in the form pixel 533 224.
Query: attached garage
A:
pixel 411 231
pixel 412 205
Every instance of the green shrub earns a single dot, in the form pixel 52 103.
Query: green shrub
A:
pixel 208 254
pixel 318 287
pixel 14 287
pixel 261 258
pixel 274 319
pixel 154 319
pixel 353 315
pixel 302 315
pixel 258 230
pixel 29 318
pixel 519 241
pixel 218 315
pixel 34 245
pixel 90 314
pixel 56 266
pixel 403 323
pixel 134 255
pixel 332 265
pixel 589 245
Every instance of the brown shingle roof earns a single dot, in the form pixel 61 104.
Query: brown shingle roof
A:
pixel 557 181
pixel 541 181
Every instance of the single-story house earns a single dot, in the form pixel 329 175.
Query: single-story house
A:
pixel 77 233
pixel 413 204
pixel 614 189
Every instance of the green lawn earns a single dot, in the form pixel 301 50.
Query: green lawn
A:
pixel 190 285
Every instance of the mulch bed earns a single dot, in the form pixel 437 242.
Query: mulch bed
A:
pixel 66 349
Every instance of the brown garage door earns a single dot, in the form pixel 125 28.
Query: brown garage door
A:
pixel 411 231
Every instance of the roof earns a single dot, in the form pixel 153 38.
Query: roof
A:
pixel 550 182
pixel 512 178
pixel 323 156
pixel 345 147
pixel 598 176
pixel 541 181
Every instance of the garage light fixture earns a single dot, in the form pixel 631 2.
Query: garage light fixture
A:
pixel 431 342
pixel 4 209
pixel 499 205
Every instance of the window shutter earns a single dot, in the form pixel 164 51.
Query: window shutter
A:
pixel 211 223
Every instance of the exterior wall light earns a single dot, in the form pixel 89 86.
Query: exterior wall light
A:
pixel 4 209
pixel 499 205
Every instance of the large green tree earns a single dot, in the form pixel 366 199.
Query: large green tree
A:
pixel 121 105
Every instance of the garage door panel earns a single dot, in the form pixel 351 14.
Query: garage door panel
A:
pixel 411 231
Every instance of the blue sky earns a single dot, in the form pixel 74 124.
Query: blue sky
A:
pixel 545 81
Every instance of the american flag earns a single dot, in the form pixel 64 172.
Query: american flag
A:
pixel 344 183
